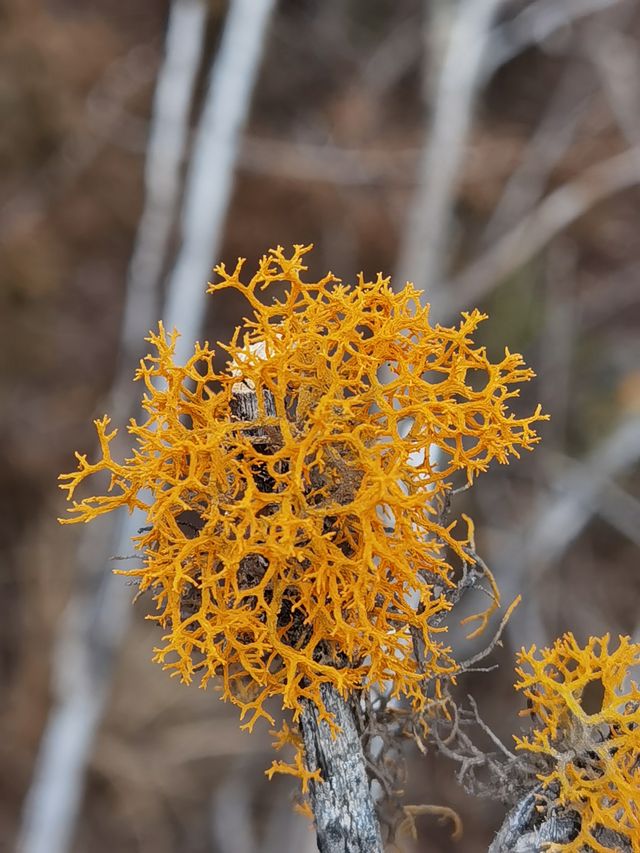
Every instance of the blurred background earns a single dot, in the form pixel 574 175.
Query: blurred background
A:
pixel 488 150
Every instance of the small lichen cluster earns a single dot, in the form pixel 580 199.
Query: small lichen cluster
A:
pixel 593 755
pixel 307 542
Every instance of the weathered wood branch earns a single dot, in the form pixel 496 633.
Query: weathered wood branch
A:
pixel 342 804
pixel 524 830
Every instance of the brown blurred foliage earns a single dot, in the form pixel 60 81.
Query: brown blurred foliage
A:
pixel 330 157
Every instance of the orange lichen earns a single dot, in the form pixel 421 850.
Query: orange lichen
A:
pixel 444 813
pixel 286 736
pixel 307 544
pixel 593 752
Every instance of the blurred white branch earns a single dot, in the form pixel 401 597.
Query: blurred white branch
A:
pixel 621 510
pixel 427 233
pixel 287 831
pixel 84 658
pixel 583 489
pixel 392 58
pixel 168 137
pixel 556 212
pixel 231 824
pixel 597 304
pixel 615 57
pixel 580 492
pixel 326 163
pixel 98 612
pixel 554 135
pixel 536 23
pixel 210 176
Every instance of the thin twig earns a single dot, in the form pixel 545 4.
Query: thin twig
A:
pixel 487 730
pixel 209 180
pixel 84 659
pixel 465 665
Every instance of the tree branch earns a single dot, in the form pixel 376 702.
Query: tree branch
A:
pixel 342 804
pixel 560 209
pixel 85 655
pixel 344 810
pixel 424 248
pixel 525 830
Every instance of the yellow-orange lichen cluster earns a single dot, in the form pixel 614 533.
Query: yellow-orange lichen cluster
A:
pixel 594 753
pixel 307 543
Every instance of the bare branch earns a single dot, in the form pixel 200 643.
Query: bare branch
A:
pixel 536 23
pixel 485 728
pixel 552 138
pixel 209 180
pixel 99 614
pixel 342 804
pixel 426 236
pixel 469 663
pixel 525 830
pixel 556 212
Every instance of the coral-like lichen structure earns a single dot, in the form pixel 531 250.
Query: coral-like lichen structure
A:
pixel 297 529
pixel 593 753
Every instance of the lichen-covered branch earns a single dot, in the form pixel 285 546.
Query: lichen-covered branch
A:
pixel 524 830
pixel 343 808
pixel 298 545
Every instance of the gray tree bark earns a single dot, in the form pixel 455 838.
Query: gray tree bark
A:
pixel 342 804
pixel 523 830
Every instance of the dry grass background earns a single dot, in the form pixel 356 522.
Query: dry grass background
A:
pixel 330 157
